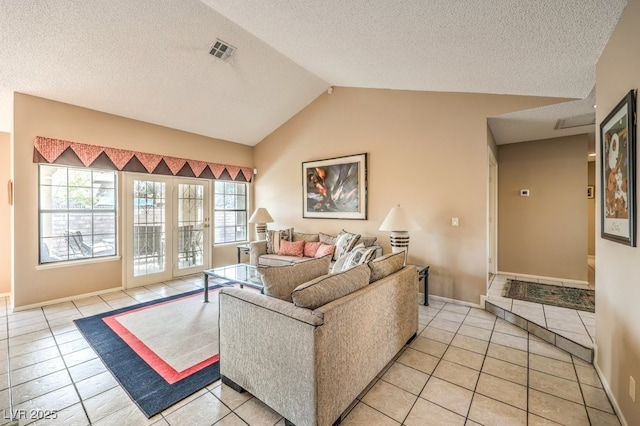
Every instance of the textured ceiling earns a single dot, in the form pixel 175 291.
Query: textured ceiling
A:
pixel 148 59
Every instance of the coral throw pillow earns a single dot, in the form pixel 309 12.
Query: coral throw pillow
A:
pixel 311 248
pixel 291 248
pixel 325 249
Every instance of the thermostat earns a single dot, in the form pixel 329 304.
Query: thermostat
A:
pixel 524 192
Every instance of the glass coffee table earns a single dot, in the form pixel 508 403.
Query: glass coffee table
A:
pixel 240 273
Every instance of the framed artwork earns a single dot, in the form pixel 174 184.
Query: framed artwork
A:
pixel 335 188
pixel 618 171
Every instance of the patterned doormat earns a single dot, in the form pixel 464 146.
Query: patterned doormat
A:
pixel 564 297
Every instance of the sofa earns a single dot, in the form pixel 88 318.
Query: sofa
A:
pixel 273 251
pixel 310 359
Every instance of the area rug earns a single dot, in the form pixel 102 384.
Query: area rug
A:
pixel 160 351
pixel 565 297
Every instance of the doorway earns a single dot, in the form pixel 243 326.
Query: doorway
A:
pixel 166 228
pixel 492 217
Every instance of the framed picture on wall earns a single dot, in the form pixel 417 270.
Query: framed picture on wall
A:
pixel 335 188
pixel 618 147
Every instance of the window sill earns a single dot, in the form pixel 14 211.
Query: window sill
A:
pixel 72 263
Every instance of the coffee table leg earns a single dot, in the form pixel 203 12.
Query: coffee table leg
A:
pixel 206 288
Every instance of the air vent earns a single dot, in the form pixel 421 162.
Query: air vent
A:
pixel 222 50
pixel 577 121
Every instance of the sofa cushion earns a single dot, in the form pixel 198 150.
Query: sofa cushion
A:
pixel 344 243
pixel 325 249
pixel 322 290
pixel 301 236
pixel 277 260
pixel 295 248
pixel 385 265
pixel 311 248
pixel 274 238
pixel 280 281
pixel 357 256
pixel 327 239
pixel 367 241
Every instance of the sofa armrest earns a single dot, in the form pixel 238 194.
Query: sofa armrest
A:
pixel 256 249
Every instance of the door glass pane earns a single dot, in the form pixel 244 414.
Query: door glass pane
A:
pixel 190 225
pixel 149 227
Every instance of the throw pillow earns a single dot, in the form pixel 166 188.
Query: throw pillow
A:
pixel 327 239
pixel 325 249
pixel 386 265
pixel 368 241
pixel 301 236
pixel 295 248
pixel 344 243
pixel 280 281
pixel 357 256
pixel 311 248
pixel 322 290
pixel 274 237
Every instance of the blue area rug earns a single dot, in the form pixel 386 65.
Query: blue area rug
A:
pixel 148 389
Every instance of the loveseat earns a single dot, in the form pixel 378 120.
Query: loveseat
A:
pixel 310 359
pixel 272 252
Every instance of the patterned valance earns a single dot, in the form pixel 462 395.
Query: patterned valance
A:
pixel 56 151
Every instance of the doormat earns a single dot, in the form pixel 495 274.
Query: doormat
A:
pixel 564 297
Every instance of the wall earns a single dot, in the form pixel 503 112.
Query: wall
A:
pixel 544 234
pixel 5 213
pixel 40 117
pixel 427 152
pixel 617 265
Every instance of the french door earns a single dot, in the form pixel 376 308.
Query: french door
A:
pixel 166 227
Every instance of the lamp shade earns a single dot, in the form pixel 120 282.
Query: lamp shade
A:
pixel 261 215
pixel 398 220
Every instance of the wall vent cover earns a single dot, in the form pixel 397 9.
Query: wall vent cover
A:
pixel 222 50
pixel 577 121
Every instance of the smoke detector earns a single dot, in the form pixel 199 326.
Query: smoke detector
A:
pixel 222 50
pixel 577 121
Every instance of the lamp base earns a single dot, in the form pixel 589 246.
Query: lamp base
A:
pixel 400 242
pixel 261 231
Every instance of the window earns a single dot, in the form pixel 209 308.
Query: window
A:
pixel 77 213
pixel 230 212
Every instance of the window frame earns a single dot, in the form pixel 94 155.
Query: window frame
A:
pixel 86 250
pixel 245 211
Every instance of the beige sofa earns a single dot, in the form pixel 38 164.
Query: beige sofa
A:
pixel 310 365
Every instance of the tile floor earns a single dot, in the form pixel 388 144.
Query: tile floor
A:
pixel 466 367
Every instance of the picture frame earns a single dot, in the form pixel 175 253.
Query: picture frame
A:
pixel 335 188
pixel 618 172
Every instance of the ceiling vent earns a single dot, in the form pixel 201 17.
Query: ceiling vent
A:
pixel 222 50
pixel 577 121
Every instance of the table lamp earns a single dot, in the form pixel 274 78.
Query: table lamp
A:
pixel 399 223
pixel 261 217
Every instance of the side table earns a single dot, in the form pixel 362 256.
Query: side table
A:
pixel 423 275
pixel 242 249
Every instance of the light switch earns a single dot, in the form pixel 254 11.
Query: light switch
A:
pixel 454 221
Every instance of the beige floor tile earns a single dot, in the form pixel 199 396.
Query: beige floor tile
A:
pixel 438 335
pixel 363 415
pixel 431 347
pixel 457 374
pixel 457 308
pixel 425 413
pixel 505 327
pixel 129 416
pixel 205 410
pixel 406 378
pixel 488 411
pixel 233 420
pixel 446 325
pixel 390 400
pixel 40 386
pixel 106 403
pixel 87 369
pixel 509 340
pixel 470 343
pixel 506 370
pixel 447 395
pixel 554 385
pixel 475 332
pixel 481 313
pixel 552 366
pixel 464 357
pixel 587 375
pixel 418 360
pixel 540 347
pixel 541 421
pixel 502 390
pixel 451 316
pixel 256 412
pixel 25 374
pixel 96 384
pixel 230 397
pixel 596 398
pixel 480 322
pixel 511 355
pixel 600 418
pixel 557 409
pixel 54 401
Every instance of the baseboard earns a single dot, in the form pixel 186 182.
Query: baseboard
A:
pixel 456 301
pixel 64 299
pixel 483 298
pixel 542 277
pixel 607 388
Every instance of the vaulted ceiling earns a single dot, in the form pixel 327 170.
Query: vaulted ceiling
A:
pixel 149 59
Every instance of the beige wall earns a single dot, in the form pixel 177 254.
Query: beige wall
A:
pixel 617 265
pixel 5 213
pixel 591 210
pixel 544 234
pixel 40 117
pixel 427 152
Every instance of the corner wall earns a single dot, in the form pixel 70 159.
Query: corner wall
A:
pixel 617 265
pixel 41 117
pixel 5 213
pixel 544 234
pixel 427 152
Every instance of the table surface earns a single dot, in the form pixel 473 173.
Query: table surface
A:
pixel 240 273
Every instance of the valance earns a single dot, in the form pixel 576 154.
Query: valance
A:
pixel 57 151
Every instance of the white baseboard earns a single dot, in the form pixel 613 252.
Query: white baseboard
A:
pixel 64 299
pixel 456 301
pixel 607 388
pixel 542 277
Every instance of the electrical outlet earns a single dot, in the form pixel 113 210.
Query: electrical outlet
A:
pixel 632 388
pixel 454 221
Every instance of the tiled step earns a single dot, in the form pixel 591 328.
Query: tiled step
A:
pixel 562 342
